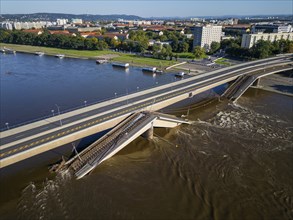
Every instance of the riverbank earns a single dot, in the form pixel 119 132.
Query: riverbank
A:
pixel 281 83
pixel 132 59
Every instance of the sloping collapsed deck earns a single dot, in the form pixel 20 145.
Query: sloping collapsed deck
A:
pixel 243 82
pixel 120 136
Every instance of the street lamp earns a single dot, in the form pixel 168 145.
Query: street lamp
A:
pixel 127 95
pixel 85 103
pixel 52 112
pixel 137 88
pixel 7 125
pixel 59 114
pixel 115 94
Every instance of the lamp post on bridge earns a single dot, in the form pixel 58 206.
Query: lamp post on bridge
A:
pixel 52 112
pixel 59 115
pixel 127 95
pixel 115 95
pixel 137 88
pixel 7 125
pixel 85 103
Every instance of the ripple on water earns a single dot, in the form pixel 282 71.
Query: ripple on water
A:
pixel 233 164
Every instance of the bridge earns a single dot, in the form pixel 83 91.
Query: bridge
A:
pixel 141 123
pixel 29 140
pixel 243 82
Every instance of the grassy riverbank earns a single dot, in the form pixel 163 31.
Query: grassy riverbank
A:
pixel 223 61
pixel 133 60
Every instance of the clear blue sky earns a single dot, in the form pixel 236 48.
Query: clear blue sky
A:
pixel 150 8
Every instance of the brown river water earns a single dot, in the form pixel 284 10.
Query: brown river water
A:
pixel 234 162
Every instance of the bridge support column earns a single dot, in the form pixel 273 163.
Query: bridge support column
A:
pixel 256 82
pixel 149 134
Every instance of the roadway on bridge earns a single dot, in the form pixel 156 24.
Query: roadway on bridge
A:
pixel 125 108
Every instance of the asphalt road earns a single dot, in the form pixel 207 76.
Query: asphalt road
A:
pixel 23 146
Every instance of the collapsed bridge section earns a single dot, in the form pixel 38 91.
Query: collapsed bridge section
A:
pixel 137 124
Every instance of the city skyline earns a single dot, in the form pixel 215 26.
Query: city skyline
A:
pixel 151 8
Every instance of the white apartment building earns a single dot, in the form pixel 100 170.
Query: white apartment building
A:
pixel 61 21
pixel 205 35
pixel 24 25
pixel 76 21
pixel 6 25
pixel 271 28
pixel 248 40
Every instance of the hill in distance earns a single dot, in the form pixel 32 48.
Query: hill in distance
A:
pixel 55 16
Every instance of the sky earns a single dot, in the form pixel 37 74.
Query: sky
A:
pixel 150 8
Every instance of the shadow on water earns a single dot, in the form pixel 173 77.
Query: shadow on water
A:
pixel 283 88
pixel 286 74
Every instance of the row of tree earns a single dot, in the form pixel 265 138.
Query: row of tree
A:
pixel 52 40
pixel 138 41
pixel 262 49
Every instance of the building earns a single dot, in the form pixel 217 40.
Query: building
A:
pixel 115 36
pixel 241 28
pixel 34 31
pixel 61 22
pixel 205 35
pixel 76 21
pixel 248 40
pixel 83 29
pixel 188 36
pixel 271 28
pixel 60 32
pixel 6 26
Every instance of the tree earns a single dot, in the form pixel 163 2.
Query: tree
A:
pixel 183 47
pixel 176 56
pixel 168 50
pixel 163 38
pixel 174 43
pixel 289 47
pixel 139 47
pixel 198 52
pixel 262 49
pixel 114 43
pixel 156 48
pixel 101 45
pixel 215 46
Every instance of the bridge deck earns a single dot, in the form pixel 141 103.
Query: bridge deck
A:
pixel 243 82
pixel 102 149
pixel 108 145
pixel 29 140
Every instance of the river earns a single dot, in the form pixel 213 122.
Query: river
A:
pixel 32 86
pixel 234 162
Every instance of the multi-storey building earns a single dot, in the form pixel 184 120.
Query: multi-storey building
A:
pixel 205 35
pixel 248 40
pixel 6 25
pixel 272 28
pixel 76 21
pixel 61 21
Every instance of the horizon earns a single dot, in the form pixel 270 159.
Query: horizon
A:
pixel 202 16
pixel 151 8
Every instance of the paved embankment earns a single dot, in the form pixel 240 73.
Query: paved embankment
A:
pixel 279 83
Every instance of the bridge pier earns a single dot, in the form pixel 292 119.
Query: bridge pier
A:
pixel 256 82
pixel 149 134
